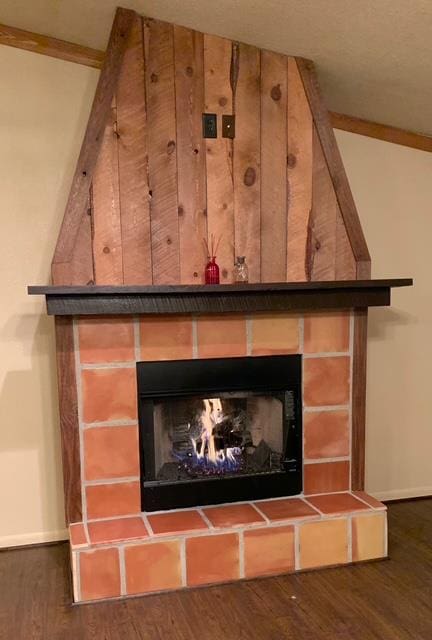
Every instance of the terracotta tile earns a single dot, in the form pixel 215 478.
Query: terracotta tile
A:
pixel 176 522
pixel 111 452
pixel 108 500
pixel 99 574
pixel 166 338
pixel 372 502
pixel 337 503
pixel 326 477
pixel 287 509
pixel 77 535
pixel 323 543
pixel 106 340
pixel 268 551
pixel 275 334
pixel 326 434
pixel 221 336
pixel 368 537
pixel 116 530
pixel 326 381
pixel 212 559
pixel 109 394
pixel 326 332
pixel 233 515
pixel 153 567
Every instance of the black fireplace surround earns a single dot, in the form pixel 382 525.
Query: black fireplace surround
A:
pixel 219 430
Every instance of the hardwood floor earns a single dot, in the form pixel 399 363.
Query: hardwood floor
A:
pixel 376 601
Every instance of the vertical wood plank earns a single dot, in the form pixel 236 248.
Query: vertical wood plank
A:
pixel 133 162
pixel 246 160
pixel 345 261
pixel 219 166
pixel 321 244
pixel 359 400
pixel 191 176
pixel 299 176
pixel 161 122
pixel 107 240
pixel 273 167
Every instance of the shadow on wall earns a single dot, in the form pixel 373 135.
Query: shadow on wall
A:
pixel 383 322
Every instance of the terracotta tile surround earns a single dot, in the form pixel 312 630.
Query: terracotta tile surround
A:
pixel 118 551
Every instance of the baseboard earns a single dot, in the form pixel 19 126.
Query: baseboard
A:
pixel 402 494
pixel 39 537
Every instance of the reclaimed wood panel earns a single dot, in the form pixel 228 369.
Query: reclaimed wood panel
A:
pixel 273 167
pixel 80 269
pixel 359 400
pixel 133 162
pixel 220 79
pixel 191 153
pixel 161 130
pixel 107 240
pixel 246 160
pixel 345 267
pixel 299 177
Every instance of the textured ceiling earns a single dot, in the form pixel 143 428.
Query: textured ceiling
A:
pixel 374 57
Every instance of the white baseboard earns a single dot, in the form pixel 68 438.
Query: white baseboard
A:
pixel 401 494
pixel 39 537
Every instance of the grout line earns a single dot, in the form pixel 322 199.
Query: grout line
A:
pixel 249 335
pixel 241 555
pixel 109 365
pixel 80 416
pixel 195 354
pixel 301 334
pixel 316 508
pixel 123 590
pixel 76 577
pixel 129 515
pixel 255 506
pixel 326 460
pixel 351 350
pixel 327 354
pixel 205 518
pixel 147 524
pixel 327 407
pixel 296 547
pixel 104 481
pixel 110 423
pixel 383 508
pixel 137 339
pixel 183 564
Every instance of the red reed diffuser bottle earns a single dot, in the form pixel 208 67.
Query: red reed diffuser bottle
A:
pixel 211 273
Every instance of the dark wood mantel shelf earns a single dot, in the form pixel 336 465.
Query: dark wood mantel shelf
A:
pixel 230 298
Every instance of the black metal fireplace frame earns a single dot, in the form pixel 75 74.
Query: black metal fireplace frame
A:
pixel 208 377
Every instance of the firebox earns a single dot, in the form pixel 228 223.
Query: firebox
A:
pixel 219 430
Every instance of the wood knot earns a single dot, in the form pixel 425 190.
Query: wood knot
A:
pixel 106 249
pixel 317 245
pixel 196 151
pixel 249 176
pixel 154 77
pixel 169 241
pixel 189 71
pixel 180 210
pixel 224 206
pixel 223 101
pixel 195 274
pixel 291 160
pixel 171 147
pixel 276 92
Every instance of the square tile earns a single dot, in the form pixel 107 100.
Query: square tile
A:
pixel 77 535
pixel 326 381
pixel 268 551
pixel 111 452
pixel 99 574
pixel 109 394
pixel 233 515
pixel 326 477
pixel 337 503
pixel 287 509
pixel 166 338
pixel 326 434
pixel 327 332
pixel 368 537
pixel 370 500
pixel 275 334
pixel 118 530
pixel 221 336
pixel 323 543
pixel 106 339
pixel 153 567
pixel 117 499
pixel 211 559
pixel 176 522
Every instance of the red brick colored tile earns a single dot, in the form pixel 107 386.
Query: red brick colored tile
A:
pixel 326 332
pixel 233 515
pixel 111 452
pixel 77 535
pixel 323 543
pixel 368 537
pixel 326 477
pixel 287 509
pixel 326 434
pixel 268 551
pixel 108 500
pixel 106 340
pixel 176 522
pixel 211 559
pixel 326 381
pixel 221 336
pixel 109 394
pixel 275 334
pixel 371 501
pixel 99 574
pixel 153 567
pixel 118 530
pixel 337 503
pixel 166 338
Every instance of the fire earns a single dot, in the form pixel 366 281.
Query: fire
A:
pixel 204 446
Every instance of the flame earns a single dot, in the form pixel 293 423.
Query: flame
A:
pixel 204 446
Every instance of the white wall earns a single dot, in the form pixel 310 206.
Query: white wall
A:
pixel 43 111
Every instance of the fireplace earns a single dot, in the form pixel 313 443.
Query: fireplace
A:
pixel 219 430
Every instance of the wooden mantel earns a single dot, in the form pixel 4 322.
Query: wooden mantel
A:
pixel 171 299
